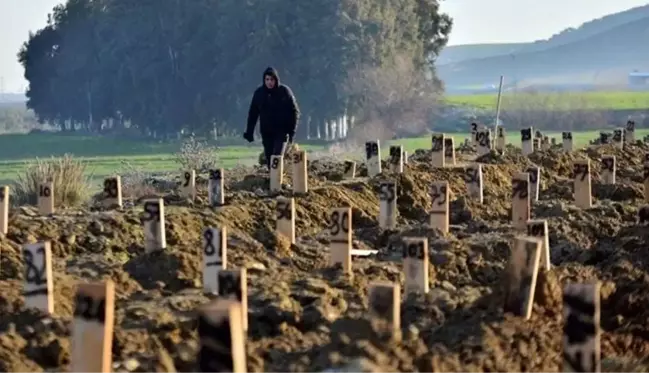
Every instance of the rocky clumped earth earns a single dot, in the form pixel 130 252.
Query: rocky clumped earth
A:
pixel 305 316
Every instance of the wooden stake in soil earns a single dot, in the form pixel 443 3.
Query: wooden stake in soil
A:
pixel 300 173
pixel 215 189
pixel 645 177
pixel 188 185
pixel 449 151
pixel 581 328
pixel 567 141
pixel 350 170
pixel 285 224
pixel 215 257
pixel 405 157
pixel 609 169
pixel 38 287
pixel 340 231
pixel 618 137
pixel 415 264
pixel 92 328
pixel 501 141
pixel 276 173
pixel 535 182
pixel 396 159
pixel 527 146
pixel 4 209
pixel 439 212
pixel 582 188
pixel 46 198
pixel 484 142
pixel 520 200
pixel 385 303
pixel 373 157
pixel 630 132
pixel 521 272
pixel 113 192
pixel 154 225
pixel 539 229
pixel 233 284
pixel 222 338
pixel 388 205
pixel 473 179
pixel 437 150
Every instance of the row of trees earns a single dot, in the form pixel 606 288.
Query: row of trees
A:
pixel 165 66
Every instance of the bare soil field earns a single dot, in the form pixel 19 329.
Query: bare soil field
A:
pixel 306 316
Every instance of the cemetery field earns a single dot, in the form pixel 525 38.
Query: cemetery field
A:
pixel 105 157
pixel 597 100
pixel 449 282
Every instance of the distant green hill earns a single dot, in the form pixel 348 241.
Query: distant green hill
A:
pixel 605 49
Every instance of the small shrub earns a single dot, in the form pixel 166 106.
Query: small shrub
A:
pixel 71 184
pixel 136 183
pixel 197 155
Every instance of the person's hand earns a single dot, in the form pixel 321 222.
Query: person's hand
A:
pixel 249 136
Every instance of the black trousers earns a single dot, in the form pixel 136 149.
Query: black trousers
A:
pixel 273 145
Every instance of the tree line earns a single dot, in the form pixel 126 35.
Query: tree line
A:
pixel 160 67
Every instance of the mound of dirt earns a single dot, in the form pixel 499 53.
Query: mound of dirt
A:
pixel 305 316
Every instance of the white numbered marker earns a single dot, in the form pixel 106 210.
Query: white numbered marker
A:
pixel 300 174
pixel 566 137
pixel 527 145
pixel 520 200
pixel 113 192
pixel 373 157
pixel 215 189
pixel 582 187
pixel 46 198
pixel 415 264
pixel 522 271
pixel 233 284
pixel 350 170
pixel 449 151
pixel 4 209
pixel 535 182
pixel 154 225
pixel 396 159
pixel 388 205
pixel 188 185
pixel 92 328
pixel 340 232
pixel 608 169
pixel 439 212
pixel 285 224
pixel 215 258
pixel 581 328
pixel 473 179
pixel 222 338
pixel 437 150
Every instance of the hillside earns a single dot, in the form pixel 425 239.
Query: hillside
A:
pixel 603 58
pixel 459 53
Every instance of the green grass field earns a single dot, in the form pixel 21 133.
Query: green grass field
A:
pixel 107 156
pixel 600 100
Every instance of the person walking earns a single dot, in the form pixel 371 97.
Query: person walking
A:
pixel 275 106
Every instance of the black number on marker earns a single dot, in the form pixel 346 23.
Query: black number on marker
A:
pixel 387 192
pixel 338 223
pixel 110 188
pixel 371 149
pixel 414 250
pixel 520 189
pixel 438 193
pixel 44 191
pixel 580 171
pixel 90 308
pixel 284 210
pixel 437 143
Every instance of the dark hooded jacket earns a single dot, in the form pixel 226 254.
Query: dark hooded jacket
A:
pixel 275 108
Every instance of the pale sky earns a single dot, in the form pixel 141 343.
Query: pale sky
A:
pixel 476 21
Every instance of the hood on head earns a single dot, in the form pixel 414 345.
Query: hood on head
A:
pixel 272 72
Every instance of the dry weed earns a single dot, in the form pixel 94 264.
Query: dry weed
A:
pixel 71 183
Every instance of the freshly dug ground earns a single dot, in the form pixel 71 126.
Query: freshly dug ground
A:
pixel 305 316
